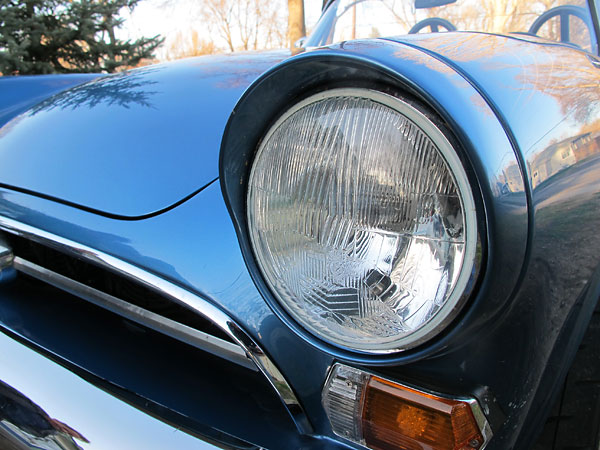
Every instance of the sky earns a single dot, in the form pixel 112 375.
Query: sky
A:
pixel 152 17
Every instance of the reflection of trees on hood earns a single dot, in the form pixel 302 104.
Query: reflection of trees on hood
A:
pixel 235 70
pixel 552 70
pixel 572 81
pixel 124 90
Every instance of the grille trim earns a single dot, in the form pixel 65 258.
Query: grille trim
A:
pixel 178 295
pixel 6 256
pixel 108 282
pixel 183 333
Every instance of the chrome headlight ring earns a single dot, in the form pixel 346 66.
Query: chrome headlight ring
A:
pixel 362 220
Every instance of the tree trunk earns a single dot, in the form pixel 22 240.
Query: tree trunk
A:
pixel 296 27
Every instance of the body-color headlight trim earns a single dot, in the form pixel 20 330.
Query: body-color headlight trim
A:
pixel 362 220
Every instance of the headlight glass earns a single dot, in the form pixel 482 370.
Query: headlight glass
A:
pixel 362 220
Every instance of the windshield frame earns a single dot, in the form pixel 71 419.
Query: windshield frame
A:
pixel 323 31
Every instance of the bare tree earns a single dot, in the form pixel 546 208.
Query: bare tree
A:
pixel 245 24
pixel 184 46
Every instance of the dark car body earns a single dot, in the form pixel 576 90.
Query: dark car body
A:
pixel 134 185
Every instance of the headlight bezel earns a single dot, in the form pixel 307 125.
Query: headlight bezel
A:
pixel 453 156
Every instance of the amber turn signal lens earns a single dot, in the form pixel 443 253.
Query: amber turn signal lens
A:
pixel 384 415
pixel 397 417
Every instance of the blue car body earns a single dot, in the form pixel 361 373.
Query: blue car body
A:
pixel 149 169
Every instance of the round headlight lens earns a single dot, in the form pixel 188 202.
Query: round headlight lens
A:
pixel 362 220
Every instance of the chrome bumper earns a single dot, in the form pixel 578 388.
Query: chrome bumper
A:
pixel 45 406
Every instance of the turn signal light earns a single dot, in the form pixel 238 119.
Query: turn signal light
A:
pixel 384 415
pixel 395 416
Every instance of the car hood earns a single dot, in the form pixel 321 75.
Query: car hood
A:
pixel 128 145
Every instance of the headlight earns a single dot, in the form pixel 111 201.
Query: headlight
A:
pixel 362 220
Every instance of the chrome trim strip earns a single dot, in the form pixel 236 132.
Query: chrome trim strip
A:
pixel 6 256
pixel 176 330
pixel 52 408
pixel 179 295
pixel 484 425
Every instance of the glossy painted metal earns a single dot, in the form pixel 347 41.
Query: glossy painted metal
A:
pixel 502 198
pixel 18 94
pixel 45 406
pixel 541 251
pixel 131 144
pixel 175 293
pixel 471 120
pixel 201 254
pixel 488 89
pixel 155 373
pixel 546 95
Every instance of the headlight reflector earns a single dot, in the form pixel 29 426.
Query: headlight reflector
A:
pixel 362 220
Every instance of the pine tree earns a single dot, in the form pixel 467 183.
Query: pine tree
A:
pixel 63 36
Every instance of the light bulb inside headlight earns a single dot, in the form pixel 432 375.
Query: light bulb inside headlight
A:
pixel 362 220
